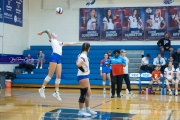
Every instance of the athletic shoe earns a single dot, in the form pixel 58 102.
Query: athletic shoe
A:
pixel 112 96
pixel 170 93
pixel 157 88
pixel 41 67
pixel 119 96
pixel 91 112
pixel 57 96
pixel 26 73
pixel 176 93
pixel 131 93
pixel 36 67
pixel 104 91
pixel 41 92
pixel 83 114
pixel 32 72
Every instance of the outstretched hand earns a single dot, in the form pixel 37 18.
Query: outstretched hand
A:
pixel 40 33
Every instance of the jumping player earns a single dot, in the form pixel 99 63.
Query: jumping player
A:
pixel 54 63
pixel 83 79
pixel 169 76
pixel 105 71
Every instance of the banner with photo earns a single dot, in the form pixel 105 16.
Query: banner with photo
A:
pixel 18 12
pixel 1 10
pixel 111 24
pixel 174 22
pixel 129 23
pixel 133 23
pixel 9 11
pixel 89 24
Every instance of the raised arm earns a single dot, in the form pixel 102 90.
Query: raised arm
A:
pixel 47 32
pixel 72 43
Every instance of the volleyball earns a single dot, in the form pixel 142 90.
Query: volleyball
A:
pixel 59 10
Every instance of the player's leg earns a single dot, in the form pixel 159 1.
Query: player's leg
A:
pixel 88 110
pixel 57 81
pixel 41 63
pixel 104 82
pixel 113 82
pixel 168 87
pixel 52 68
pixel 126 78
pixel 151 83
pixel 159 85
pixel 173 86
pixel 176 86
pixel 38 61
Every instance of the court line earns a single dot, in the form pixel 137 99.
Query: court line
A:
pixel 169 118
pixel 101 104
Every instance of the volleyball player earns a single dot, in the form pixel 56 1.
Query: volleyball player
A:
pixel 108 20
pixel 177 80
pixel 83 79
pixel 105 71
pixel 91 22
pixel 169 76
pixel 156 20
pixel 54 63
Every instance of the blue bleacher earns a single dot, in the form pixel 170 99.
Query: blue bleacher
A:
pixel 69 69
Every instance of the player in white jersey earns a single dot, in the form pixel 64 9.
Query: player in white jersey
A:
pixel 91 21
pixel 156 20
pixel 83 79
pixel 177 20
pixel 55 63
pixel 108 20
pixel 177 79
pixel 169 76
pixel 135 22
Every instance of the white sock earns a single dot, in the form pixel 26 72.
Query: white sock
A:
pixel 176 90
pixel 56 89
pixel 43 87
pixel 80 109
pixel 169 90
pixel 104 88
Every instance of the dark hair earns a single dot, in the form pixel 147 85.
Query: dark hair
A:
pixel 116 51
pixel 168 64
pixel 158 54
pixel 85 47
pixel 110 17
pixel 148 55
pixel 39 52
pixel 137 15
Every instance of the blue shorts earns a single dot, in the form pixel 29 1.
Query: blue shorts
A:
pixel 82 77
pixel 56 58
pixel 106 71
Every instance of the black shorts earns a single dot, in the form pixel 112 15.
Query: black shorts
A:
pixel 166 49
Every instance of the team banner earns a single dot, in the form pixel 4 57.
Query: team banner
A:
pixel 156 22
pixel 11 59
pixel 174 22
pixel 1 10
pixel 129 23
pixel 111 24
pixel 133 23
pixel 90 24
pixel 9 11
pixel 18 12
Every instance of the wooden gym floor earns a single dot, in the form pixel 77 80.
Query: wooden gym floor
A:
pixel 26 104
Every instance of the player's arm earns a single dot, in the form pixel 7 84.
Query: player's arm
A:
pixel 164 25
pixel 128 24
pixel 141 23
pixel 79 63
pixel 72 43
pixel 149 21
pixel 105 26
pixel 47 32
pixel 84 20
pixel 101 63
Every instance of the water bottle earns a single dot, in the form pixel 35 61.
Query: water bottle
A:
pixel 146 90
pixel 149 91
pixel 164 91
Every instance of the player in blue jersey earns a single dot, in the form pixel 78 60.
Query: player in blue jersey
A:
pixel 105 71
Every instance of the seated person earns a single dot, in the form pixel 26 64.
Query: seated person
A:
pixel 145 64
pixel 156 75
pixel 40 60
pixel 160 62
pixel 29 64
pixel 177 80
pixel 174 65
pixel 169 76
pixel 176 57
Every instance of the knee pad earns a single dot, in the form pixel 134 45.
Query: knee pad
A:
pixel 167 82
pixel 47 79
pixel 104 83
pixel 57 81
pixel 83 95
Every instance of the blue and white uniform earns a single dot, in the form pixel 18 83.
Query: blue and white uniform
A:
pixel 57 51
pixel 83 75
pixel 105 66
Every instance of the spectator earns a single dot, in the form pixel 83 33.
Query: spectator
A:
pixel 40 60
pixel 109 53
pixel 145 64
pixel 159 62
pixel 173 63
pixel 29 64
pixel 117 59
pixel 165 44
pixel 126 75
pixel 176 57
